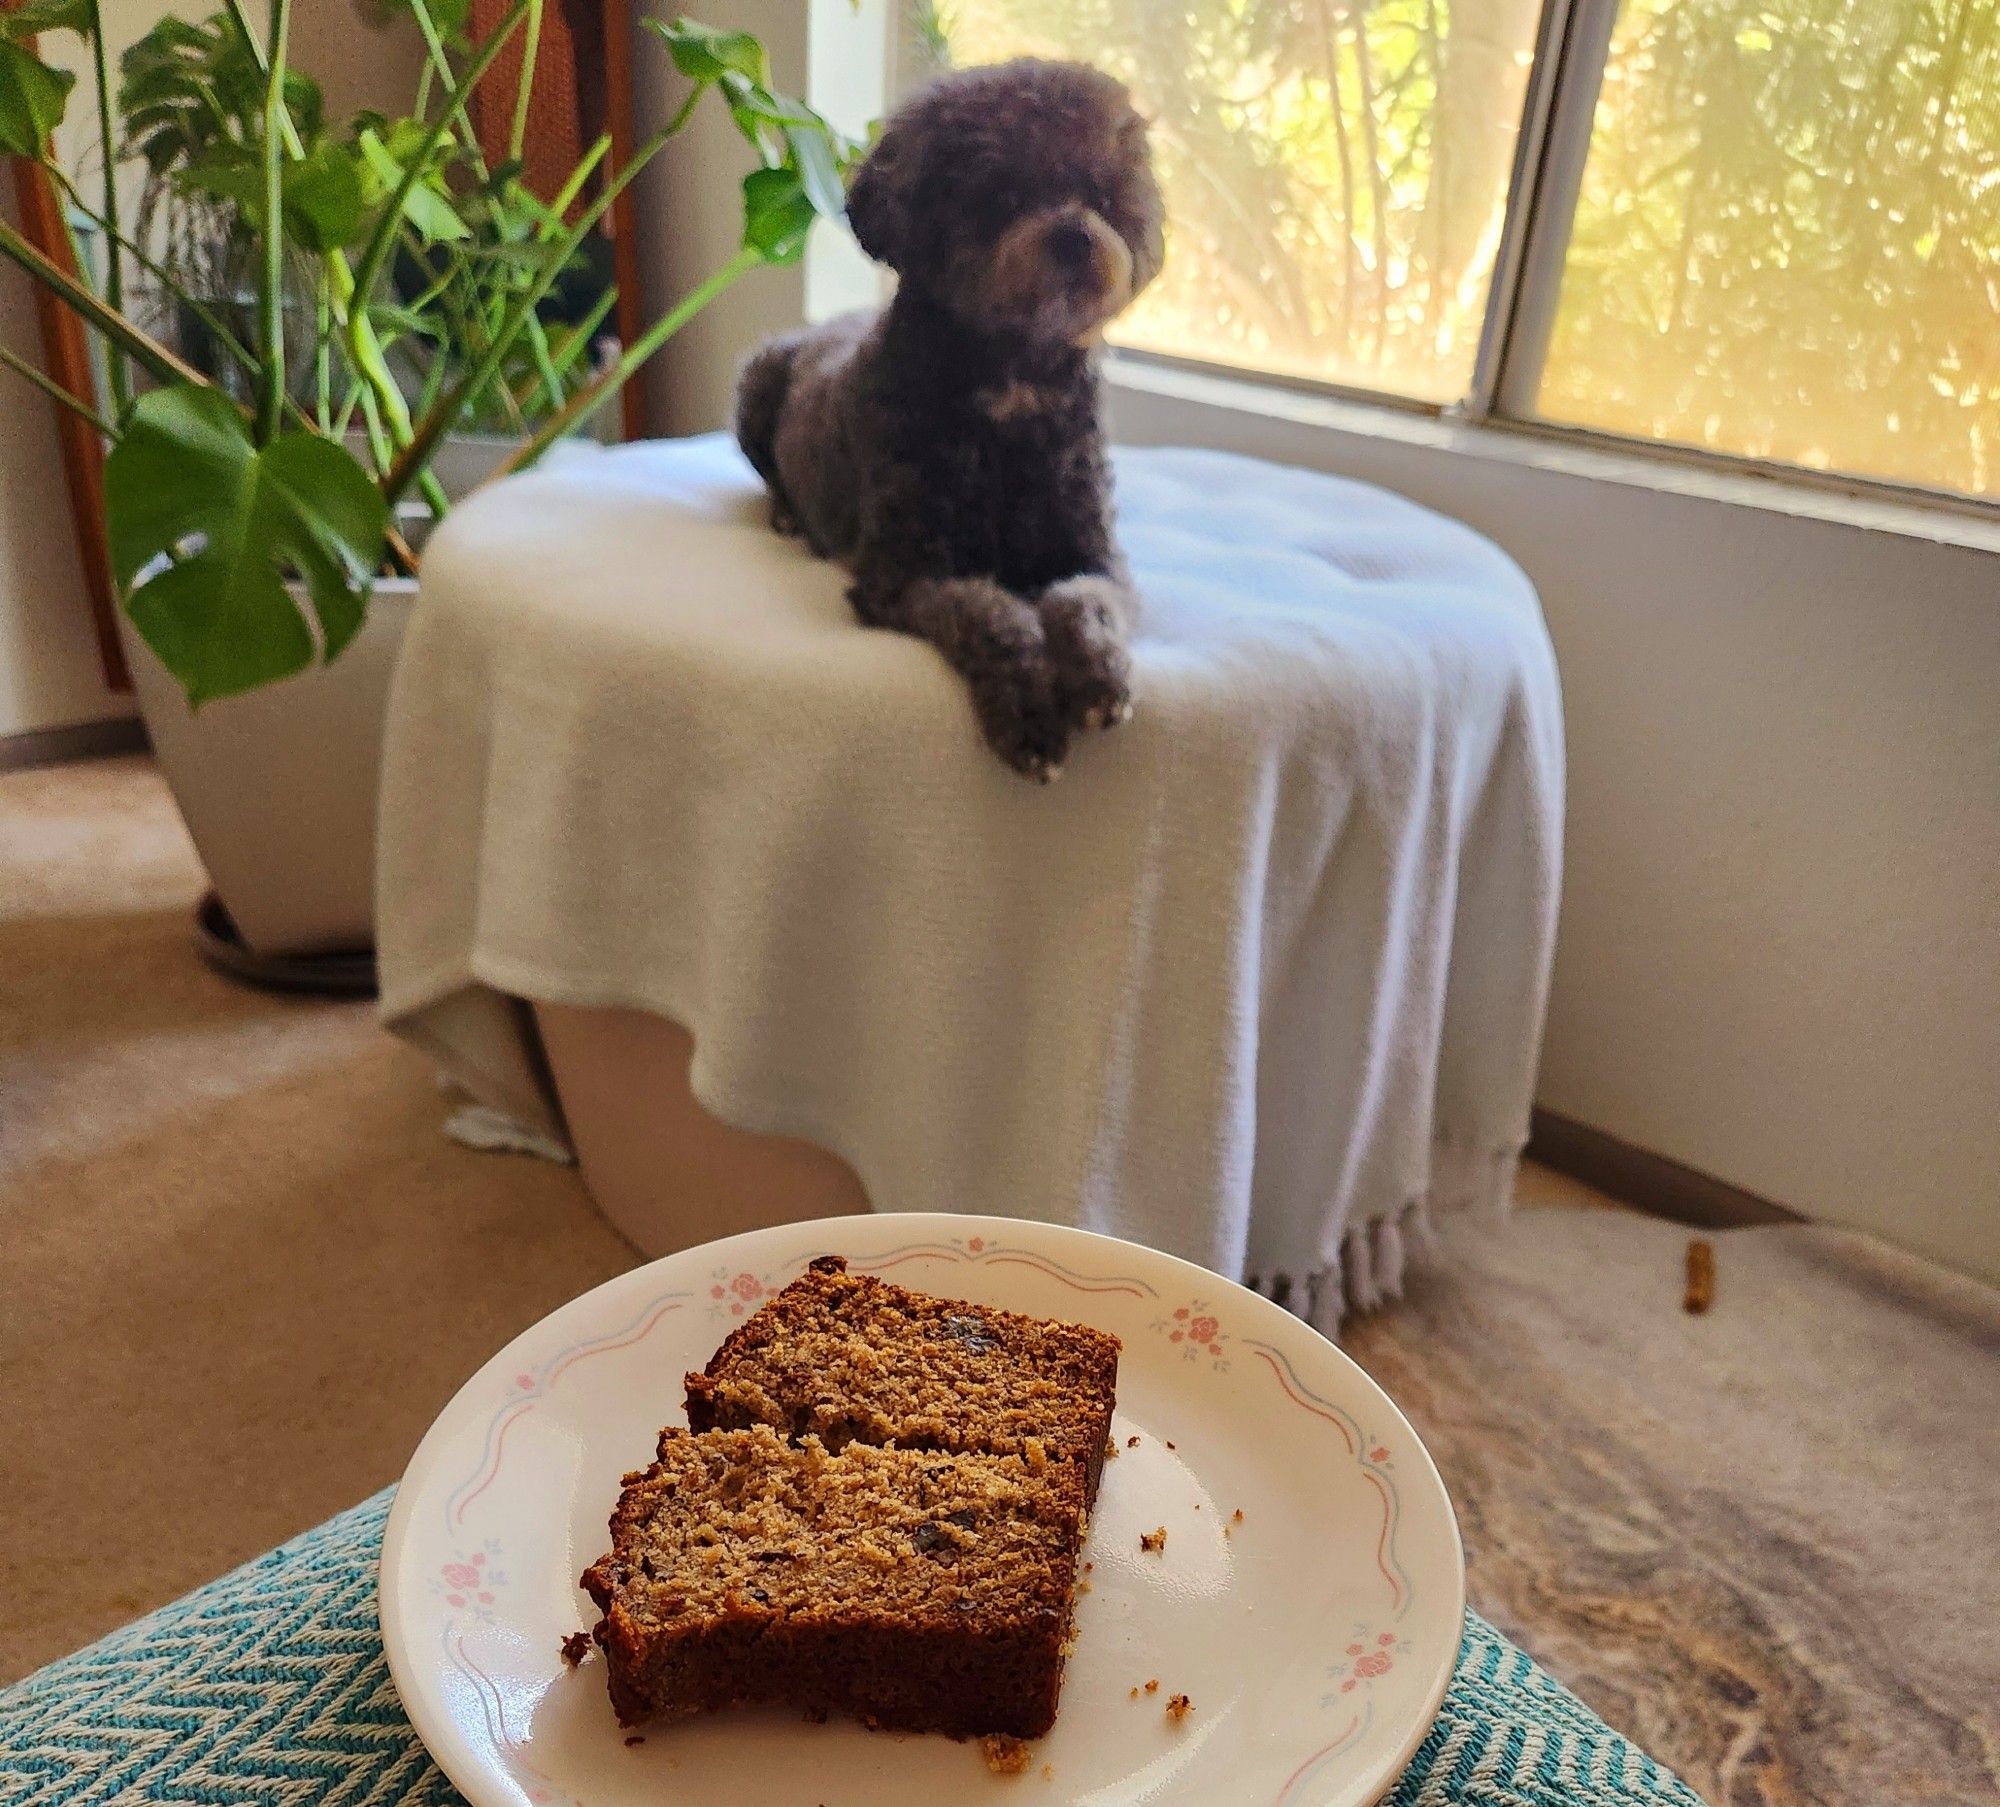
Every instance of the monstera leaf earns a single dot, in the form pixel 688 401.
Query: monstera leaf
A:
pixel 186 89
pixel 32 99
pixel 206 526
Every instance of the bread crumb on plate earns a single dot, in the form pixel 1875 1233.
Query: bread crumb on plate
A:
pixel 1003 1755
pixel 1153 1541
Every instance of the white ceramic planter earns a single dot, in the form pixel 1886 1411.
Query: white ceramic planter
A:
pixel 277 786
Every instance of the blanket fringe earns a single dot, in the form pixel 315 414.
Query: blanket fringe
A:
pixel 493 1131
pixel 1374 1255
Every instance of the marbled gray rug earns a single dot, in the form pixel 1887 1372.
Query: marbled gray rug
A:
pixel 1764 1542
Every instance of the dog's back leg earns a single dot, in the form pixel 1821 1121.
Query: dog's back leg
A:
pixel 761 389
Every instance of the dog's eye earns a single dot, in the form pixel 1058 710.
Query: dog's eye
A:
pixel 1001 207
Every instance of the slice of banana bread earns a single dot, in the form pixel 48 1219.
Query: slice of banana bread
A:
pixel 917 1591
pixel 848 1358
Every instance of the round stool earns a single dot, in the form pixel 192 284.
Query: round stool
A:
pixel 1260 981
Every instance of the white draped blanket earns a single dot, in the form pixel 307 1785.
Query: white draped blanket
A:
pixel 1259 982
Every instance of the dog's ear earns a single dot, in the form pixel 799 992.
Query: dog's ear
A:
pixel 875 202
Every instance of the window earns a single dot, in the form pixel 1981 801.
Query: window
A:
pixel 1335 172
pixel 1787 242
pixel 1754 228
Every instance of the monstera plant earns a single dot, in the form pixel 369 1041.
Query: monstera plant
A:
pixel 246 525
pixel 299 313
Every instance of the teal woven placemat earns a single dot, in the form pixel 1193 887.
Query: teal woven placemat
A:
pixel 269 1686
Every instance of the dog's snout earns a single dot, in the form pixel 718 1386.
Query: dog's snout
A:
pixel 1071 245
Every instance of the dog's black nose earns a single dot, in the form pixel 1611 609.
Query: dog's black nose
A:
pixel 1070 245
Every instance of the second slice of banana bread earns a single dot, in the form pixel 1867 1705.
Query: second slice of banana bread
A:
pixel 848 1358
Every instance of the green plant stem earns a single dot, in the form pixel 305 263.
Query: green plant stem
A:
pixel 145 350
pixel 441 62
pixel 685 111
pixel 438 420
pixel 593 396
pixel 322 359
pixel 435 283
pixel 565 197
pixel 344 415
pixel 433 385
pixel 577 340
pixel 364 349
pixel 56 392
pixel 524 89
pixel 545 368
pixel 294 145
pixel 271 289
pixel 114 274
pixel 383 239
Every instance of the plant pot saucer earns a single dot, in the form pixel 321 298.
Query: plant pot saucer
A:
pixel 342 974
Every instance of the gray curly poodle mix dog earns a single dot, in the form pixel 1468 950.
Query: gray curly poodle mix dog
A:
pixel 948 448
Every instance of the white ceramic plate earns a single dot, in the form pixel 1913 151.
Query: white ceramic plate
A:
pixel 1314 1637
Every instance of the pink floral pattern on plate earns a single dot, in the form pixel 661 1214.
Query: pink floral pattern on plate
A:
pixel 1368 1657
pixel 1198 1332
pixel 736 1294
pixel 470 1582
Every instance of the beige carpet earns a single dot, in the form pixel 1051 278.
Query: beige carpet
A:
pixel 242 1269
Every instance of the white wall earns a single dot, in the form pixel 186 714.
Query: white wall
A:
pixel 690 203
pixel 49 675
pixel 1779 959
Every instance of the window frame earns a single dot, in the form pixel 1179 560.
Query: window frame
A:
pixel 1572 44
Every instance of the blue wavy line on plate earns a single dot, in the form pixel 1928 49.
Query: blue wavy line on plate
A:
pixel 1360 1444
pixel 1291 1795
pixel 976 1258
pixel 532 1395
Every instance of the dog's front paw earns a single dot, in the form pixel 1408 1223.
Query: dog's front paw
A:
pixel 997 643
pixel 1084 620
pixel 1021 714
